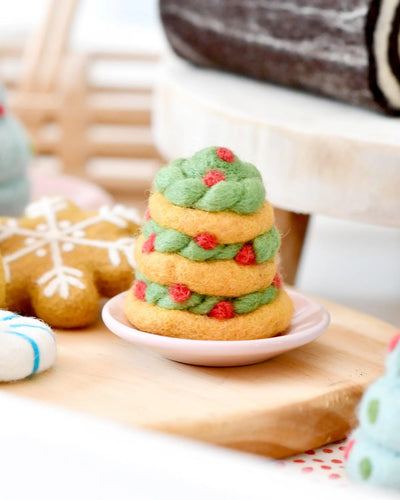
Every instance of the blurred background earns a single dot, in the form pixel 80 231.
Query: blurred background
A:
pixel 81 78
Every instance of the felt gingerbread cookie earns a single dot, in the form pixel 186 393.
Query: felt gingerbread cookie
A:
pixel 59 259
pixel 207 256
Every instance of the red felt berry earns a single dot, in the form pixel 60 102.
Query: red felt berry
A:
pixel 206 241
pixel 148 245
pixel 277 282
pixel 213 177
pixel 179 293
pixel 222 310
pixel 140 290
pixel 225 154
pixel 2 110
pixel 393 342
pixel 147 215
pixel 246 255
pixel 348 448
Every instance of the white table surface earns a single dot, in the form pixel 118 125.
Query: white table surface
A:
pixel 49 453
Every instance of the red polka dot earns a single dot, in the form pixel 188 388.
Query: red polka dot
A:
pixel 226 154
pixel 299 461
pixel 147 215
pixel 139 290
pixel 277 282
pixel 327 450
pixel 222 310
pixel 336 461
pixel 326 467
pixel 317 460
pixel 348 449
pixel 307 470
pixel 310 452
pixel 213 177
pixel 246 255
pixel 148 245
pixel 206 241
pixel 393 342
pixel 341 448
pixel 179 293
pixel 2 110
pixel 334 476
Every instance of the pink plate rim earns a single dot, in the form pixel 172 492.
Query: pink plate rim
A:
pixel 300 331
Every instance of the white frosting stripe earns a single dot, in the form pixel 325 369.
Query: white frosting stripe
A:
pixel 386 80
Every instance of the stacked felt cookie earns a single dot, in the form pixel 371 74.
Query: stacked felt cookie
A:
pixel 14 159
pixel 373 452
pixel 207 255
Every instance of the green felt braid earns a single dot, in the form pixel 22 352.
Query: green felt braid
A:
pixel 170 241
pixel 202 304
pixel 181 182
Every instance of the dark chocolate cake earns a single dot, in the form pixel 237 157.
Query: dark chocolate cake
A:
pixel 345 49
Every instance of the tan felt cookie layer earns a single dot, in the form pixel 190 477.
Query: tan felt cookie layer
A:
pixel 266 321
pixel 59 259
pixel 224 277
pixel 227 227
pixel 2 285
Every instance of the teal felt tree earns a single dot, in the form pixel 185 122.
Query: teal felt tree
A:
pixel 15 154
pixel 373 452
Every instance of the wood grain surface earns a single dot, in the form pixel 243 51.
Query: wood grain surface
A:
pixel 299 400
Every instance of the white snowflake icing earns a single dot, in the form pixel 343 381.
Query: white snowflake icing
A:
pixel 57 237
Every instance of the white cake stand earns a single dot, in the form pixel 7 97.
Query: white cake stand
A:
pixel 316 155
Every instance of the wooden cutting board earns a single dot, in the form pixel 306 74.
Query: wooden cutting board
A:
pixel 297 401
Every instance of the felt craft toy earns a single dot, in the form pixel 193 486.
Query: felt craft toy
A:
pixel 207 256
pixel 27 346
pixel 15 154
pixel 58 260
pixel 373 451
pixel 2 285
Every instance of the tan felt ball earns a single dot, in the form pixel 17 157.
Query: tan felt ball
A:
pixel 227 227
pixel 221 277
pixel 2 285
pixel 265 321
pixel 59 259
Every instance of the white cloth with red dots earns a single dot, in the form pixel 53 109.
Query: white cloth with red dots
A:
pixel 322 464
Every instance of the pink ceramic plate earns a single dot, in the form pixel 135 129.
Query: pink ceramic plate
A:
pixel 309 322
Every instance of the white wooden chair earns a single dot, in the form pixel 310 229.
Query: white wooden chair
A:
pixel 97 131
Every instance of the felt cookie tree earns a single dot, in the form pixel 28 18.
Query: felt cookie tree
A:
pixel 15 153
pixel 207 255
pixel 373 452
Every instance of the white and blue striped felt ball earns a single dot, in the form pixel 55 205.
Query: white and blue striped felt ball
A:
pixel 27 346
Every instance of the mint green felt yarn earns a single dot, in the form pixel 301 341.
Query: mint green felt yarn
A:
pixel 181 182
pixel 15 156
pixel 202 304
pixel 171 241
